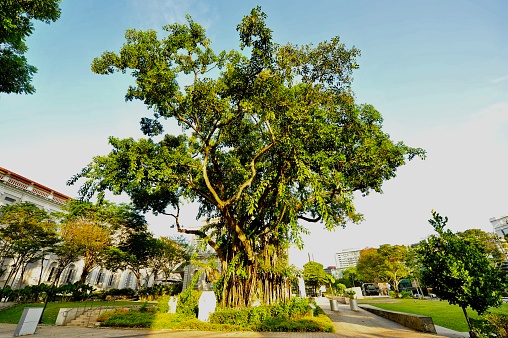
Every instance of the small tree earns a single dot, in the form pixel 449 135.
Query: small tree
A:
pixel 459 270
pixel 27 235
pixel 133 246
pixel 314 275
pixel 83 238
pixel 394 267
pixel 350 277
pixel 168 255
pixel 369 265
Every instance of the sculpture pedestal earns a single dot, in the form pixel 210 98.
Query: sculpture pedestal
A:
pixel 206 305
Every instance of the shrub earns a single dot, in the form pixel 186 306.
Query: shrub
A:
pixel 306 324
pixel 491 325
pixel 290 316
pixel 406 294
pixel 188 303
pixel 158 290
pixel 162 304
pixel 111 294
pixel 255 316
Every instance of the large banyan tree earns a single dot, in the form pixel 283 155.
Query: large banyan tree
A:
pixel 270 136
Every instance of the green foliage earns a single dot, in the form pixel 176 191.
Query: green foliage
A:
pixel 162 304
pixel 308 324
pixel 188 301
pixel 273 138
pixel 491 325
pixel 158 290
pixel 160 321
pixel 291 317
pixel 133 246
pixel 74 292
pixel 125 293
pixel 12 314
pixel 387 263
pixel 490 241
pixel 459 270
pixel 29 294
pixel 167 254
pixel 108 314
pixel 255 316
pixel 27 234
pixel 406 294
pixel 314 275
pixel 15 26
pixel 350 277
pixel 132 318
pixel 37 293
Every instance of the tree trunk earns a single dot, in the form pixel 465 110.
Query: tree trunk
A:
pixel 472 334
pixel 23 268
pixel 42 269
pixel 12 273
pixel 245 282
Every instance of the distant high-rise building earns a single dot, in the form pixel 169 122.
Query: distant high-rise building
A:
pixel 347 258
pixel 332 270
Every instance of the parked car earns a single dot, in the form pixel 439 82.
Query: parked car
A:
pixel 370 289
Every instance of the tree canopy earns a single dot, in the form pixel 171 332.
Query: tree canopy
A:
pixel 388 263
pixel 15 26
pixel 314 275
pixel 369 266
pixel 271 136
pixel 459 270
pixel 26 234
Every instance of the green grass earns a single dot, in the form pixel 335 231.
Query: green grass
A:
pixel 13 314
pixel 442 313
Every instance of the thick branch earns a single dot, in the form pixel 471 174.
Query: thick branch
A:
pixel 312 220
pixel 253 174
pixel 198 233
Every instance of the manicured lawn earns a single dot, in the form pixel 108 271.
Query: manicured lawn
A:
pixel 442 313
pixel 13 314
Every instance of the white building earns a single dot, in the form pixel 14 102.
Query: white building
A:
pixel 347 258
pixel 500 225
pixel 15 188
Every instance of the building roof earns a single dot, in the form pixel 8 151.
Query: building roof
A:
pixel 24 183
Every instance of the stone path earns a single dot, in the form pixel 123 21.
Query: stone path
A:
pixel 363 324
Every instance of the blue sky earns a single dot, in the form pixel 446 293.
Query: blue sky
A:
pixel 436 70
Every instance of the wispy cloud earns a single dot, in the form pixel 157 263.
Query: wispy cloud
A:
pixel 157 13
pixel 499 80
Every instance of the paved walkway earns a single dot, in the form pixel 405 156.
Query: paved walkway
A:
pixel 348 324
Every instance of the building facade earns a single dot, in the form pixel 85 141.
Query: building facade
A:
pixel 347 258
pixel 500 225
pixel 15 188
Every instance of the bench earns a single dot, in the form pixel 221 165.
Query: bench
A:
pixel 412 321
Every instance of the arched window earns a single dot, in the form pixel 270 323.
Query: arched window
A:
pixel 51 272
pixel 100 277
pixel 112 279
pixel 71 273
pixel 128 280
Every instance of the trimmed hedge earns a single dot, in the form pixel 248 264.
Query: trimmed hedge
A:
pixel 294 316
